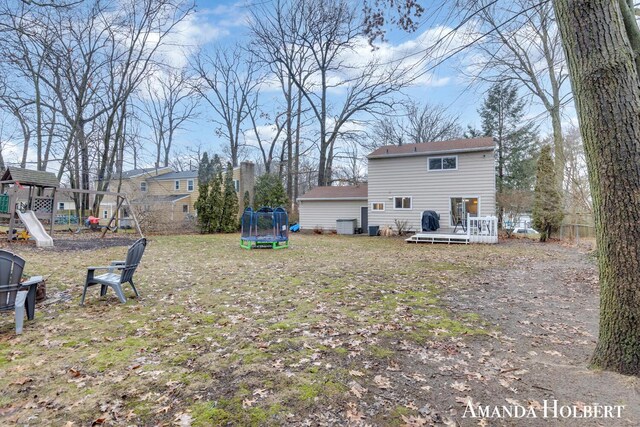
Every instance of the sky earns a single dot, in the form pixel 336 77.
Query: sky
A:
pixel 223 23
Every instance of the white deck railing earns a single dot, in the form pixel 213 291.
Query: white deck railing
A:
pixel 482 229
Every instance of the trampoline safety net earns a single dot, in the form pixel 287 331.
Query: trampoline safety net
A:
pixel 265 227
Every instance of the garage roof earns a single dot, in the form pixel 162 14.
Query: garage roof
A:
pixel 347 192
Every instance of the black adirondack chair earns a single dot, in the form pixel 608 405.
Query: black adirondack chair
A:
pixel 14 294
pixel 115 280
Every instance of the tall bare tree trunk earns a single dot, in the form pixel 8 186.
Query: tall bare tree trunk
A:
pixel 605 80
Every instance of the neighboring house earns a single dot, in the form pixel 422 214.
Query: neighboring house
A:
pixel 167 195
pixel 321 207
pixel 455 178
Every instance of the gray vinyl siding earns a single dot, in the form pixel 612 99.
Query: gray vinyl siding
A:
pixel 431 190
pixel 324 213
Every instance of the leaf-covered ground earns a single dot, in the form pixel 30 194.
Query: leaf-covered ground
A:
pixel 332 331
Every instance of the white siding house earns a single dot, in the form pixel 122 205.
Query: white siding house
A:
pixel 322 206
pixel 454 178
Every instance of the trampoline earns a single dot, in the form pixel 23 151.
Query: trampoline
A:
pixel 265 228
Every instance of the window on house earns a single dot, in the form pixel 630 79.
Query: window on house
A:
pixel 60 206
pixel 462 208
pixel 143 186
pixel 125 212
pixel 190 185
pixel 105 214
pixel 377 206
pixel 185 208
pixel 403 202
pixel 236 185
pixel 176 185
pixel 443 163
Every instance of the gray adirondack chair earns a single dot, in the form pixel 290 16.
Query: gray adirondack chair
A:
pixel 16 295
pixel 113 279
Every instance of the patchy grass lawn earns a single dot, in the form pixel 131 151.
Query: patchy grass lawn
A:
pixel 333 330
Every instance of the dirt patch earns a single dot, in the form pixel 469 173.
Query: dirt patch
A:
pixel 94 242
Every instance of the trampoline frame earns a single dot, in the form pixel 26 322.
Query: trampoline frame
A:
pixel 280 222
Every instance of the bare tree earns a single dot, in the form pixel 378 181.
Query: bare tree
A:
pixel 228 81
pixel 415 124
pixel 520 42
pixel 328 32
pixel 169 101
pixel 88 61
pixel 576 186
pixel 277 43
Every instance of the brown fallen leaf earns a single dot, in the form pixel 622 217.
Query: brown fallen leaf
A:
pixel 460 386
pixel 534 404
pixel 353 415
pixel 414 421
pixel 357 389
pixel 248 403
pixel 382 382
pixel 98 422
pixel 22 381
pixel 468 400
pixel 183 420
pixel 8 410
pixel 393 366
pixel 260 392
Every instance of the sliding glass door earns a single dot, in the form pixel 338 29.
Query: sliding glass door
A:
pixel 463 207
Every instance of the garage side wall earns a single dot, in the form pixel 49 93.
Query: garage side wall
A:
pixel 324 213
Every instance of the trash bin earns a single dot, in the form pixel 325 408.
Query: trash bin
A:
pixel 374 230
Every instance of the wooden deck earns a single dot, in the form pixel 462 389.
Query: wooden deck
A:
pixel 479 230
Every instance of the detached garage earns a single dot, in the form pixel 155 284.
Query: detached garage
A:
pixel 323 206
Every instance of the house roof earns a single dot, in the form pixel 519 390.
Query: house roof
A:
pixel 177 175
pixel 350 192
pixel 31 177
pixel 161 199
pixel 436 147
pixel 142 171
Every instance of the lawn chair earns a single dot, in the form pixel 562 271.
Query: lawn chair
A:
pixel 16 295
pixel 115 280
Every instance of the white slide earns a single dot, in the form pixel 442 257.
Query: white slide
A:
pixel 35 228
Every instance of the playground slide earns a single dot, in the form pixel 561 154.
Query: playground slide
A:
pixel 35 228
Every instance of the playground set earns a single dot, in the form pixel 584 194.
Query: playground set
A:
pixel 265 228
pixel 28 198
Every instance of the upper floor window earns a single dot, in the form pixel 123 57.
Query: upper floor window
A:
pixel 190 185
pixel 176 185
pixel 443 163
pixel 236 185
pixel 143 186
pixel 60 206
pixel 403 202
pixel 377 206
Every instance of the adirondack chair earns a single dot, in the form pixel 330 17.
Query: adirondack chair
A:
pixel 113 279
pixel 16 295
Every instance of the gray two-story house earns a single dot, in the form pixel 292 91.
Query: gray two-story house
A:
pixel 455 178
